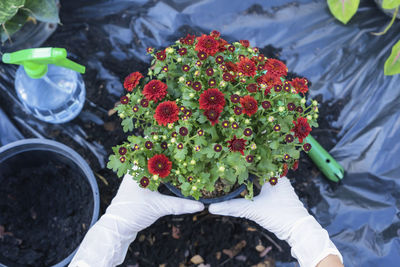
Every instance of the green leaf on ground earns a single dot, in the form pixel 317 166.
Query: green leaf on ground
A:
pixel 392 64
pixel 343 10
pixel 43 10
pixel 13 25
pixel 8 9
pixel 390 4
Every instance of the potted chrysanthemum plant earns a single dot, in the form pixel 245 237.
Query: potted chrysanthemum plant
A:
pixel 212 113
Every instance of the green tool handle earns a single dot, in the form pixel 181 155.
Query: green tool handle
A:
pixel 324 161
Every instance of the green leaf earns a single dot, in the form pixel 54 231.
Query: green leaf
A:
pixel 274 145
pixel 343 10
pixel 8 9
pixel 13 25
pixel 43 10
pixel 243 176
pixel 266 165
pixel 233 158
pixel 180 154
pixel 127 124
pixel 114 163
pixel 390 4
pixel 392 64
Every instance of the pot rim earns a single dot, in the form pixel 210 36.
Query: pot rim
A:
pixel 228 196
pixel 11 149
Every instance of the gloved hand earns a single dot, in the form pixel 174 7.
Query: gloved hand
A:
pixel 132 210
pixel 279 210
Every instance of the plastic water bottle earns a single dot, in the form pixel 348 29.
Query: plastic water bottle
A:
pixel 48 84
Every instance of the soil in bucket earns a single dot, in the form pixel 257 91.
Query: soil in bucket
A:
pixel 46 207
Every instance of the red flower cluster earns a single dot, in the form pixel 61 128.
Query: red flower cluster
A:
pixel 212 98
pixel 249 104
pixel 237 145
pixel 207 44
pixel 155 90
pixel 301 128
pixel 247 67
pixel 300 85
pixel 132 80
pixel 276 67
pixel 166 112
pixel 188 40
pixel 159 165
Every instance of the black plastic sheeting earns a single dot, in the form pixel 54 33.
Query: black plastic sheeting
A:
pixel 343 62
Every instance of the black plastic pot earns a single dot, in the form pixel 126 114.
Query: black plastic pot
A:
pixel 229 196
pixel 31 152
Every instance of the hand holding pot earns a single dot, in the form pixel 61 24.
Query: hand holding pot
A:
pixel 132 210
pixel 279 210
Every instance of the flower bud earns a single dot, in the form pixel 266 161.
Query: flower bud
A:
pixel 191 95
pixel 177 172
pixel 271 118
pixel 185 164
pixel 196 73
pixel 155 177
pixel 194 188
pixel 303 101
pixel 173 140
pixel 222 84
pixel 169 50
pixel 221 169
pixel 122 115
pixel 247 121
pixel 281 109
pixel 164 137
pixel 315 103
pixel 150 72
pixel 170 125
pixel 231 119
pixel 315 116
pixel 179 59
pixel 192 162
pixel 309 117
pixel 155 137
pixel 181 79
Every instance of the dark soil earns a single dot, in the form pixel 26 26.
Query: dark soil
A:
pixel 45 209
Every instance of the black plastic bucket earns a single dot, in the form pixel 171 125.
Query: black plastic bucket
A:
pixel 34 151
pixel 229 196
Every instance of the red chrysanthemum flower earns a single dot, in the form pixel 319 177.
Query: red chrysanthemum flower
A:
pixel 276 67
pixel 222 45
pixel 132 80
pixel 212 98
pixel 215 33
pixel 300 85
pixel 301 128
pixel 252 88
pixel 270 80
pixel 247 67
pixel 245 43
pixel 166 112
pixel 230 66
pixel 207 44
pixel 161 55
pixel 144 182
pixel 155 90
pixel 189 39
pixel 295 165
pixel 237 145
pixel 285 170
pixel 212 115
pixel 249 105
pixel 159 165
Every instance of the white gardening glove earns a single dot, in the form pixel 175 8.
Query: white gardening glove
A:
pixel 279 210
pixel 133 209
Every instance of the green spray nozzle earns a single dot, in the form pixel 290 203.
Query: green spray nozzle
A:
pixel 324 161
pixel 35 60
